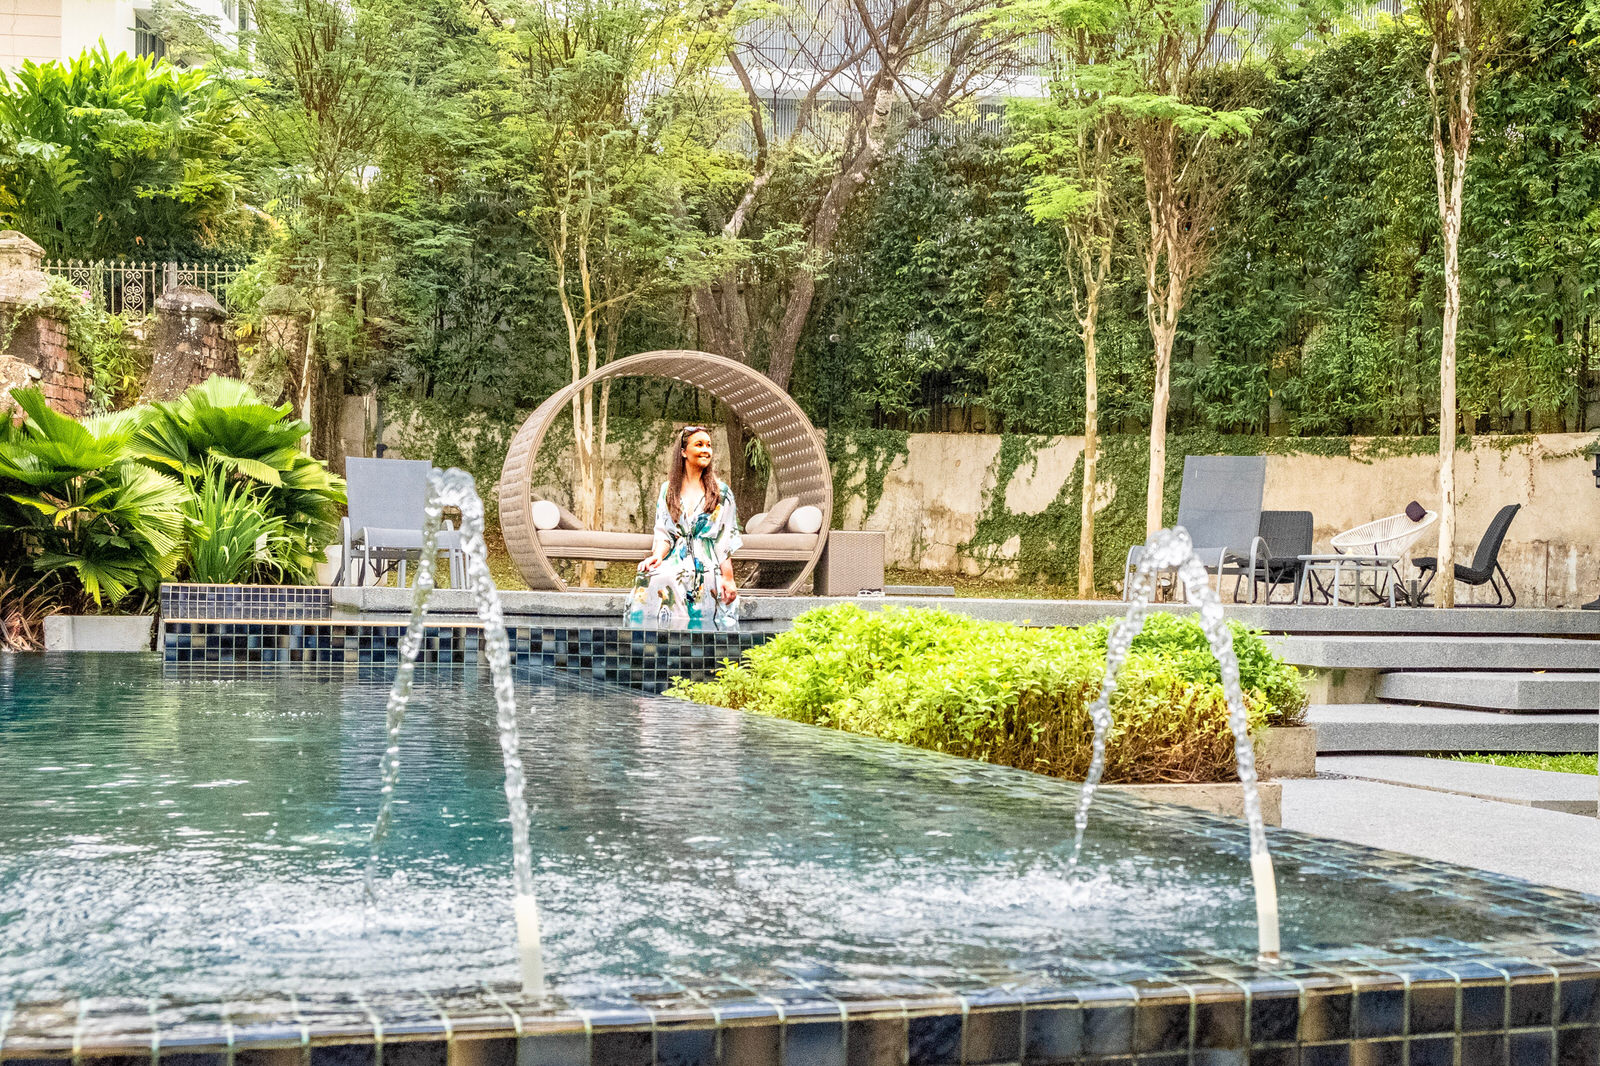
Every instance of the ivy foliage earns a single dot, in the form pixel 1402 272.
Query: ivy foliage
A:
pixel 1008 694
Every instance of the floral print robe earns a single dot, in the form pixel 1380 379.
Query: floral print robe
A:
pixel 685 590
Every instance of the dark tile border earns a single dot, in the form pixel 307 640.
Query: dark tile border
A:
pixel 643 659
pixel 1369 1007
pixel 182 601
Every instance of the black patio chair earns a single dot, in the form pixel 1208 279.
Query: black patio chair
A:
pixel 1275 554
pixel 1485 568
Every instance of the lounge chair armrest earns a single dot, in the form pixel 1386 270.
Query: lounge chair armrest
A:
pixel 344 556
pixel 1259 549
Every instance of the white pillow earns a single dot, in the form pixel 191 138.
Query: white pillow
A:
pixel 806 519
pixel 546 515
pixel 756 522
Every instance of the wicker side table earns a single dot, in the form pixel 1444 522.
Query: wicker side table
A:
pixel 851 563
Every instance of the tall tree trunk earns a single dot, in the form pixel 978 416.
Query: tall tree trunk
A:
pixel 1451 188
pixel 1155 491
pixel 1445 579
pixel 1163 332
pixel 1091 447
pixel 822 232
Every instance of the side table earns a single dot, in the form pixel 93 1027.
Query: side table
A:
pixel 851 563
pixel 1379 566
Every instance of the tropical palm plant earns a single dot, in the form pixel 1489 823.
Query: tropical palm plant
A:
pixel 221 429
pixel 75 502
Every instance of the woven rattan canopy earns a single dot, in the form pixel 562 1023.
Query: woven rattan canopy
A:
pixel 799 462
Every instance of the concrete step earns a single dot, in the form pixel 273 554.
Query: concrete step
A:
pixel 1434 652
pixel 1495 691
pixel 1369 727
pixel 1568 793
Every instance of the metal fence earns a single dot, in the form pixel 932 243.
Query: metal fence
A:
pixel 133 285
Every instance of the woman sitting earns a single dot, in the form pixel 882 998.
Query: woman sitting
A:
pixel 687 579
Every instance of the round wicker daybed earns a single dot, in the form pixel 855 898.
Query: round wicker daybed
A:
pixel 799 463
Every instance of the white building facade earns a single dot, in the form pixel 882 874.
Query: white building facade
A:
pixel 45 30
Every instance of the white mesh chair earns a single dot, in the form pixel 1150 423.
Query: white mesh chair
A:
pixel 1391 536
pixel 1388 538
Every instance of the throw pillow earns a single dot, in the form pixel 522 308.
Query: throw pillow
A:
pixel 545 514
pixel 778 515
pixel 757 524
pixel 569 520
pixel 805 520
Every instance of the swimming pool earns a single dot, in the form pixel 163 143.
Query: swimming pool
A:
pixel 181 851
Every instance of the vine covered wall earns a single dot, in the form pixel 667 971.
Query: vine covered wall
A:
pixel 1007 506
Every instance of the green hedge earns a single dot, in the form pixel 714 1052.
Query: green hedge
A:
pixel 1008 694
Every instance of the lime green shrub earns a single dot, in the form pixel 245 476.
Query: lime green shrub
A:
pixel 1004 693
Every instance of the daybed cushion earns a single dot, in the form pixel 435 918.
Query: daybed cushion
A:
pixel 602 544
pixel 805 520
pixel 547 514
pixel 594 544
pixel 777 547
pixel 776 518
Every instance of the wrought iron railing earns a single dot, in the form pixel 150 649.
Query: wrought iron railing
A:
pixel 133 285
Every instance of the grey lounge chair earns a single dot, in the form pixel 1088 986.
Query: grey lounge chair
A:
pixel 1485 568
pixel 1220 506
pixel 388 503
pixel 1275 554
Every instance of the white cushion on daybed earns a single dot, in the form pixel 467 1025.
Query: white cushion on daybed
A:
pixel 545 514
pixel 806 519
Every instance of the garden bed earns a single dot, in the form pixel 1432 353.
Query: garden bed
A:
pixel 1012 695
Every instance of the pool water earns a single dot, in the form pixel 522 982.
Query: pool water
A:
pixel 203 837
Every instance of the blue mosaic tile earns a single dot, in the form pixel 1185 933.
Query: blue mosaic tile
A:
pixel 756 1045
pixel 624 1048
pixel 553 1049
pixel 814 1044
pixel 359 1054
pixel 648 665
pixel 686 1047
pixel 935 1040
pixel 876 1042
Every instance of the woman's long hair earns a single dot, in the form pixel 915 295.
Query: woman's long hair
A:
pixel 680 463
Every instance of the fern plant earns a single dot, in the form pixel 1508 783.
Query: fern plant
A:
pixel 232 538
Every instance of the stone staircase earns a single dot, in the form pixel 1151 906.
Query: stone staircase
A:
pixel 1380 700
pixel 1444 693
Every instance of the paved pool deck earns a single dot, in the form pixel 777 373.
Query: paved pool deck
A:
pixel 1276 618
pixel 1543 846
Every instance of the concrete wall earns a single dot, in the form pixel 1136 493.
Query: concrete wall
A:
pixel 45 30
pixel 932 498
pixel 934 494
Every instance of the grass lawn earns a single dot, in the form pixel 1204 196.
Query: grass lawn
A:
pixel 1561 764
